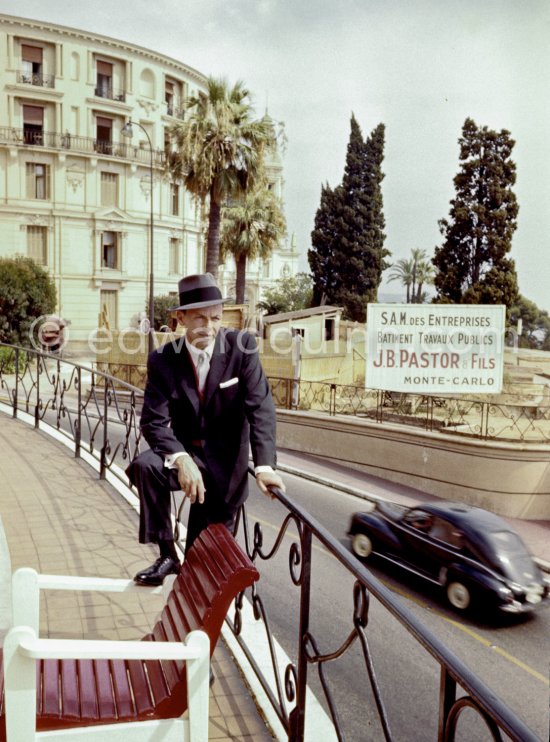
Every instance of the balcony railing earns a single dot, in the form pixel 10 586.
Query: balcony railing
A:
pixel 99 414
pixel 110 93
pixel 39 79
pixel 175 110
pixel 85 145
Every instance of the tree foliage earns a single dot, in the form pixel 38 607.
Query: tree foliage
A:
pixel 413 274
pixel 26 293
pixel 218 150
pixel 535 332
pixel 252 227
pixel 347 255
pixel 288 295
pixel 472 264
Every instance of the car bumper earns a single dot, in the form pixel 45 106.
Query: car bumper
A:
pixel 518 607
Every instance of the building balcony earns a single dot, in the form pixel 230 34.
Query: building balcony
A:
pixel 39 79
pixel 110 94
pixel 175 110
pixel 10 137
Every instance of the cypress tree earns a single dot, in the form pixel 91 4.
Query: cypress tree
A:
pixel 347 257
pixel 472 264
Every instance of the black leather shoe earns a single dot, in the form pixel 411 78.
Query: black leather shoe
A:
pixel 155 574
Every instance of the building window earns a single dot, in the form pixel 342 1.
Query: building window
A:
pixel 37 180
pixel 330 325
pixel 31 58
pixel 110 253
pixel 37 244
pixel 169 97
pixel 108 308
pixel 104 80
pixel 109 189
pixel 33 125
pixel 174 199
pixel 104 135
pixel 266 269
pixel 174 256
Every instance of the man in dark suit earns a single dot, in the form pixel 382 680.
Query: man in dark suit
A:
pixel 207 403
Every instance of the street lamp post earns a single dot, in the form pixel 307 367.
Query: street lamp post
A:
pixel 128 132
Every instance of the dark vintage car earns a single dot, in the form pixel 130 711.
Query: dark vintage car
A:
pixel 473 554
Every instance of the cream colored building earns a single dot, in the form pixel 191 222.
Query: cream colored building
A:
pixel 75 194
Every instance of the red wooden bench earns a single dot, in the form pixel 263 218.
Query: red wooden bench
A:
pixel 83 691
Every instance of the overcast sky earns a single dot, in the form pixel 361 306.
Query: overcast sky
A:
pixel 418 66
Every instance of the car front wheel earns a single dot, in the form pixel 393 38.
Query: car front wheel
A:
pixel 458 595
pixel 361 545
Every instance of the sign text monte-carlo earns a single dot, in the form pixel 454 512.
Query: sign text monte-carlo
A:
pixel 430 348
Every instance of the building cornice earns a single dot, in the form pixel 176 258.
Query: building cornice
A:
pixel 121 46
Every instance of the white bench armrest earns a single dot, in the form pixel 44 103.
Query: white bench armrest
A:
pixel 197 645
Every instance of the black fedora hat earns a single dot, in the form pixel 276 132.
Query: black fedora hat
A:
pixel 198 291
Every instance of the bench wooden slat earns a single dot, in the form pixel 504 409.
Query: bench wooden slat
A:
pixel 156 677
pixel 105 700
pixel 88 694
pixel 50 688
pixel 168 668
pixel 140 686
pixel 70 705
pixel 121 689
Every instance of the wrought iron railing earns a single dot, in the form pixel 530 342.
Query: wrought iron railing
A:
pixel 110 93
pixel 512 418
pixel 39 79
pixel 99 413
pixel 509 418
pixel 85 145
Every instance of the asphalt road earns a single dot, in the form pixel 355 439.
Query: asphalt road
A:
pixel 510 654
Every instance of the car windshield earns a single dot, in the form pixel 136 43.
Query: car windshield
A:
pixel 510 553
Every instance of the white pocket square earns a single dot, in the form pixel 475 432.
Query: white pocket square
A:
pixel 229 382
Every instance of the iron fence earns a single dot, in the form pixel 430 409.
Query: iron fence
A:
pixel 99 413
pixel 86 145
pixel 509 418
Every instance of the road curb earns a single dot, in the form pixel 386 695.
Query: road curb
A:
pixel 543 564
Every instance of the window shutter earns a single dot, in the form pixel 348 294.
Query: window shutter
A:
pixel 31 53
pixel 104 68
pixel 29 181
pixel 33 115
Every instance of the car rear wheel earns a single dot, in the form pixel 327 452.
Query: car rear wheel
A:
pixel 458 595
pixel 361 545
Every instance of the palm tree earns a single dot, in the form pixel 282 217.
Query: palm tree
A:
pixel 402 271
pixel 218 150
pixel 252 227
pixel 413 274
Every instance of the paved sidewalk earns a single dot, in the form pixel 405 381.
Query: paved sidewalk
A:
pixel 59 518
pixel 535 533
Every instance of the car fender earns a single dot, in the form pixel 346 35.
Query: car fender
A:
pixel 469 573
pixel 377 529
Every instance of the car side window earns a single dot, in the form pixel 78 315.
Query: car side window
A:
pixel 419 520
pixel 444 531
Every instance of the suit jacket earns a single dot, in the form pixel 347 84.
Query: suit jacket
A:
pixel 235 414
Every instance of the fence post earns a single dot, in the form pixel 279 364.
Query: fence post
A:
pixel 298 715
pixel 103 459
pixel 37 405
pixel 16 390
pixel 78 426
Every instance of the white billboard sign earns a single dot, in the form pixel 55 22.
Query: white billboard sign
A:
pixel 431 348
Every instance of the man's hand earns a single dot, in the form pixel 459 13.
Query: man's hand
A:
pixel 265 479
pixel 190 479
